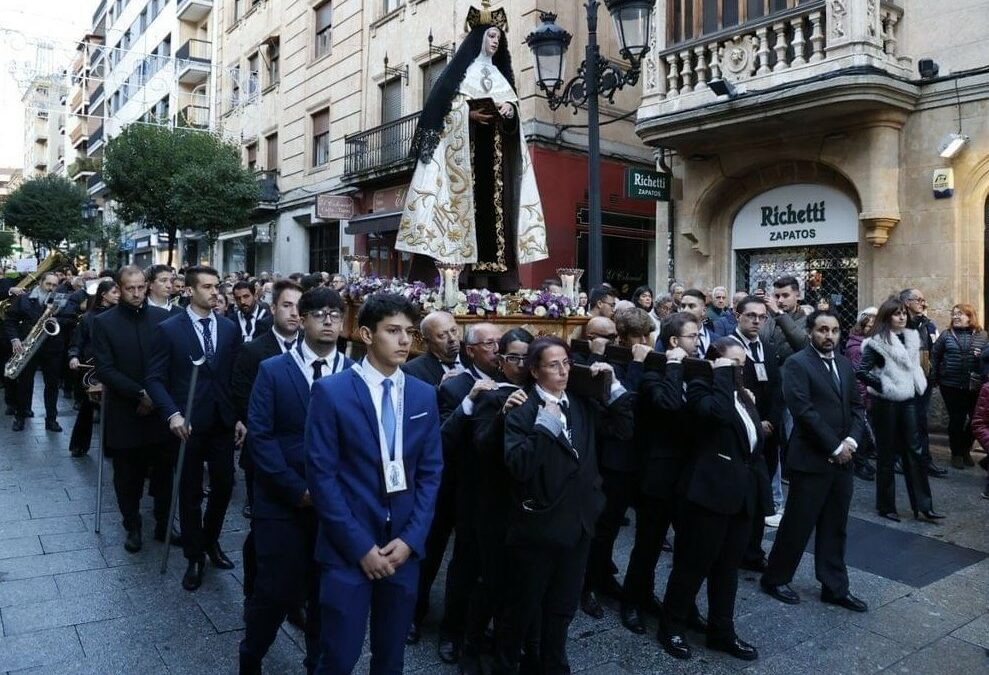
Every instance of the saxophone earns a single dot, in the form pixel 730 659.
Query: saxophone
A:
pixel 54 260
pixel 47 326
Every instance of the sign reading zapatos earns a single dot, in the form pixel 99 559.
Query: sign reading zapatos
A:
pixel 796 215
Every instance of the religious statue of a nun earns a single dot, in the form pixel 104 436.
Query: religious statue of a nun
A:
pixel 473 199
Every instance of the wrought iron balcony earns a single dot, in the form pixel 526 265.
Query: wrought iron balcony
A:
pixel 194 117
pixel 381 150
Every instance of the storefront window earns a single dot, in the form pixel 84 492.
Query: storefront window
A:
pixel 324 247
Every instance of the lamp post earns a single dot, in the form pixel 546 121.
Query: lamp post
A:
pixel 90 210
pixel 596 77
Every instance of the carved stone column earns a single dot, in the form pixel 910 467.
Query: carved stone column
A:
pixel 854 29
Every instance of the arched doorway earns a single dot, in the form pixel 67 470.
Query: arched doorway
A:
pixel 985 254
pixel 805 230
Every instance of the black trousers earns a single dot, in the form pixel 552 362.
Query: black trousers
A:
pixel 816 502
pixel 287 577
pixel 544 584
pixel 653 517
pixel 487 595
pixel 215 450
pixel 619 489
pixel 82 430
pixel 48 360
pixel 922 405
pixel 250 560
pixel 131 466
pixel 461 577
pixel 709 546
pixel 444 519
pixel 9 386
pixel 895 426
pixel 960 404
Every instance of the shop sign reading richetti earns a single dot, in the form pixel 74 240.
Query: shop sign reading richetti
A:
pixel 796 215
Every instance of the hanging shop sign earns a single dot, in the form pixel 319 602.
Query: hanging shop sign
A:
pixel 796 215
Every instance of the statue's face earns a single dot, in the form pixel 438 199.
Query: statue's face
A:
pixel 492 38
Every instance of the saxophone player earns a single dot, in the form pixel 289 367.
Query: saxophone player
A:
pixel 21 318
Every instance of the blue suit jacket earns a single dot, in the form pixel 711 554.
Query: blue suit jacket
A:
pixel 276 426
pixel 173 349
pixel 343 469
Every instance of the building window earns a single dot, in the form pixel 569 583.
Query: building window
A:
pixel 392 5
pixel 324 22
pixel 274 55
pixel 324 247
pixel 253 74
pixel 430 76
pixel 238 9
pixel 235 86
pixel 271 146
pixel 252 157
pixel 321 138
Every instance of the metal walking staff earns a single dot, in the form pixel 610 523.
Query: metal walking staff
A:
pixel 180 461
pixel 99 470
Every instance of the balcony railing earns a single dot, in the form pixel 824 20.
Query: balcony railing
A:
pixel 766 50
pixel 96 136
pixel 194 117
pixel 79 133
pixel 94 181
pixel 193 61
pixel 96 96
pixel 268 185
pixel 385 147
pixel 194 10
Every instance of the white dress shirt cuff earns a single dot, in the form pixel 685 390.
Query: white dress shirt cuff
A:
pixel 468 406
pixel 549 421
pixel 617 391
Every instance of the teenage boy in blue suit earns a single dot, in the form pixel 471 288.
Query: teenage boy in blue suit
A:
pixel 373 464
pixel 284 521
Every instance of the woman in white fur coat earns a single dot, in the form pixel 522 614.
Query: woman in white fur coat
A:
pixel 890 368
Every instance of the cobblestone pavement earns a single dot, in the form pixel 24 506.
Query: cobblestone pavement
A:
pixel 72 601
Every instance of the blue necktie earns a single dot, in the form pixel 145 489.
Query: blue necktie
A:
pixel 208 350
pixel 388 416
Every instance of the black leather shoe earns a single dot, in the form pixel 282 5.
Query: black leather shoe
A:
pixel 759 565
pixel 935 471
pixel 413 636
pixel 848 602
pixel 78 452
pixel 249 668
pixel 697 623
pixel 782 593
pixel 892 515
pixel 929 515
pixel 447 650
pixel 193 578
pixel 297 617
pixel 133 541
pixel 590 606
pixel 18 424
pixel 247 511
pixel 735 647
pixel 673 643
pixel 52 425
pixel 632 620
pixel 219 558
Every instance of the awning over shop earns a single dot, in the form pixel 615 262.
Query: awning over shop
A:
pixel 374 223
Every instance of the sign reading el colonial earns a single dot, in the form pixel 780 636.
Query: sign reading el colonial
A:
pixel 796 215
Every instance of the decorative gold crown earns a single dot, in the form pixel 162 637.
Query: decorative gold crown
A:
pixel 487 17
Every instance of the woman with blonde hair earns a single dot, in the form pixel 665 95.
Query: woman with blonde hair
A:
pixel 955 369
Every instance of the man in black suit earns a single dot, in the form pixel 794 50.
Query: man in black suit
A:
pixel 249 314
pixel 159 278
pixel 136 439
pixel 761 376
pixel 9 291
pixel 210 427
pixel 278 340
pixel 829 419
pixel 443 360
pixel 456 403
pixel 693 302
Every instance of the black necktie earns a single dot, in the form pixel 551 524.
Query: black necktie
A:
pixel 317 369
pixel 289 344
pixel 834 371
pixel 247 324
pixel 756 355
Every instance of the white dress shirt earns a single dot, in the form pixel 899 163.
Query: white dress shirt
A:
pixel 306 357
pixel 374 378
pixel 198 327
pixel 750 429
pixel 242 321
pixel 826 358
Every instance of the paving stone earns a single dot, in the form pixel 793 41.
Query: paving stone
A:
pixel 221 598
pixel 910 622
pixel 945 656
pixel 66 612
pixel 14 513
pixel 74 541
pixel 38 649
pixel 839 651
pixel 975 631
pixel 67 508
pixel 143 660
pixel 18 547
pixel 144 629
pixel 53 563
pixel 113 578
pixel 964 596
pixel 39 526
pixel 27 591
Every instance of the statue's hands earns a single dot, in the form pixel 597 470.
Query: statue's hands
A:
pixel 507 110
pixel 481 118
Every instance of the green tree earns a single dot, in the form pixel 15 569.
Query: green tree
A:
pixel 172 178
pixel 6 243
pixel 48 211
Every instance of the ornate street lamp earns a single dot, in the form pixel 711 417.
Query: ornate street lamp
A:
pixel 90 210
pixel 596 77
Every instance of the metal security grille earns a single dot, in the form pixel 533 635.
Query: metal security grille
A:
pixel 827 274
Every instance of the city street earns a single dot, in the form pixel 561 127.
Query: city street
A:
pixel 72 601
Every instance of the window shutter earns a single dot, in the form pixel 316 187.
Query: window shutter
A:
pixel 391 101
pixel 321 123
pixel 324 17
